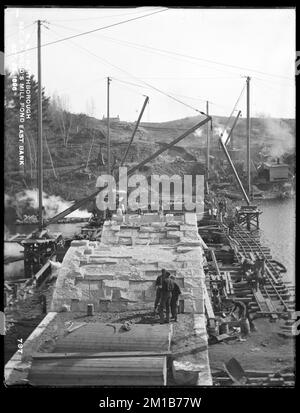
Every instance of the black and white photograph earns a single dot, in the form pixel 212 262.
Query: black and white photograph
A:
pixel 149 199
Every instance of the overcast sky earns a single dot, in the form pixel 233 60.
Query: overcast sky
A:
pixel 220 47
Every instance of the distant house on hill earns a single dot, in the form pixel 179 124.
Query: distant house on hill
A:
pixel 117 119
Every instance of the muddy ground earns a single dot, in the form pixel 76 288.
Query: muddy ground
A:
pixel 263 350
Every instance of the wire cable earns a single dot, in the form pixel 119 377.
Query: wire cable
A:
pixel 145 49
pixel 136 78
pixel 104 17
pixel 195 58
pixel 90 31
pixel 149 48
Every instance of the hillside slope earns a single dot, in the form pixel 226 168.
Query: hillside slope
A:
pixel 86 147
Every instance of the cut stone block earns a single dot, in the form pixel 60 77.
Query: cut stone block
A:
pixel 103 247
pixel 128 296
pixel 173 224
pixel 190 219
pixel 102 260
pixel 98 277
pixel 186 242
pixel 109 254
pixel 94 269
pixel 141 285
pixel 188 228
pixel 79 243
pixel 122 285
pixel 93 244
pixel 88 251
pixel 199 306
pixel 142 241
pixel 191 283
pixel 188 306
pixel 124 277
pixel 169 241
pixel 144 235
pixel 149 267
pixel 148 229
pixel 155 241
pixel 174 234
pixel 183 249
pixel 115 228
pixel 191 235
pixel 152 273
pixel 158 224
pixel 125 241
pixel 105 294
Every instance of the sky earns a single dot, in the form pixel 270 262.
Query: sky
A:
pixel 193 55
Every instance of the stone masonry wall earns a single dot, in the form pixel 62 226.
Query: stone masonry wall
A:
pixel 118 273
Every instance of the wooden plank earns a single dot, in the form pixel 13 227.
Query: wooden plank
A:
pixel 227 282
pixel 114 354
pixel 42 270
pixel 14 237
pixel 260 301
pixel 230 283
pixel 270 274
pixel 128 371
pixel 215 262
pixel 208 306
pixel 269 313
pixel 271 308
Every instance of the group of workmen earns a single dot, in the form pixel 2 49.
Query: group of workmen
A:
pixel 218 209
pixel 167 296
pixel 254 272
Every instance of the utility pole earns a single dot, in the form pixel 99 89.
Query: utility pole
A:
pixel 108 129
pixel 135 129
pixel 248 139
pixel 207 143
pixel 40 128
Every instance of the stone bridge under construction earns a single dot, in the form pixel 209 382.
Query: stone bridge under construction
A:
pixel 115 277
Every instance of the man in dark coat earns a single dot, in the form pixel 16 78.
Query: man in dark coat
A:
pixel 174 299
pixel 158 285
pixel 165 300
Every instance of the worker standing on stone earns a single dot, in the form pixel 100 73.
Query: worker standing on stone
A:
pixel 174 299
pixel 158 285
pixel 165 300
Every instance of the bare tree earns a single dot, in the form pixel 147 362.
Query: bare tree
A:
pixel 90 107
pixel 62 115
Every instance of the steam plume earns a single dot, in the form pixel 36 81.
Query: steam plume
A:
pixel 53 204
